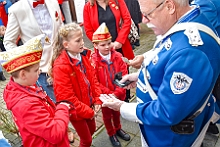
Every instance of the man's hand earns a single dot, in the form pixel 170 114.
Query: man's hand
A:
pixel 137 61
pixel 130 77
pixel 111 102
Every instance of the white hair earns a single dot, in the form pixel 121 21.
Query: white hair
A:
pixel 181 3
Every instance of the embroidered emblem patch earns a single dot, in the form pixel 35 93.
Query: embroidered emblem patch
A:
pixel 180 82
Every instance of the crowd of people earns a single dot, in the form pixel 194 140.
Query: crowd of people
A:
pixel 56 80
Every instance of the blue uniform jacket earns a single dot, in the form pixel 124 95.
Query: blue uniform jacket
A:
pixel 211 9
pixel 182 76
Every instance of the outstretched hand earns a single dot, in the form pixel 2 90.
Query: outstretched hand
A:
pixel 137 61
pixel 111 102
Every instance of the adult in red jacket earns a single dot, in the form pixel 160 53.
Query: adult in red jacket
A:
pixel 98 11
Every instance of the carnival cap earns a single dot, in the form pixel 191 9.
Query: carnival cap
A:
pixel 101 34
pixel 22 56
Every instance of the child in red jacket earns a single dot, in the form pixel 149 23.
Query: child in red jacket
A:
pixel 73 80
pixel 40 122
pixel 107 63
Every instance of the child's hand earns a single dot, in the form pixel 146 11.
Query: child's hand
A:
pixel 97 108
pixel 95 114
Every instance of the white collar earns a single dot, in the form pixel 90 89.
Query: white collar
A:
pixel 78 56
pixel 106 57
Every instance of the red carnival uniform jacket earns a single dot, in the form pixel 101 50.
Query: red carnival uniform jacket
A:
pixel 40 122
pixel 106 72
pixel 71 84
pixel 91 23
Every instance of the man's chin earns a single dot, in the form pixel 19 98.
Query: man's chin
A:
pixel 155 31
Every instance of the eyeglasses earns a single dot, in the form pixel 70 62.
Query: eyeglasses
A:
pixel 147 15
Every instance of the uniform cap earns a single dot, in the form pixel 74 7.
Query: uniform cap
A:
pixel 101 34
pixel 22 56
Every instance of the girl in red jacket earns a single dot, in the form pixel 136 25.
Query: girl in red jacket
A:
pixel 74 80
pixel 107 63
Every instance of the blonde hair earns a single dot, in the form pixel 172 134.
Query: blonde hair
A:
pixel 65 33
pixel 181 3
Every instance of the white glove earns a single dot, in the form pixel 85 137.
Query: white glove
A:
pixel 111 102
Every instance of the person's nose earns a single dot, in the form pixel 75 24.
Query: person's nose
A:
pixel 145 20
pixel 82 43
pixel 107 46
pixel 39 71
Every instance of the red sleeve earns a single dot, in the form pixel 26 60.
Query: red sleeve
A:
pixel 105 90
pixel 96 87
pixel 120 92
pixel 39 121
pixel 97 91
pixel 126 25
pixel 87 21
pixel 65 90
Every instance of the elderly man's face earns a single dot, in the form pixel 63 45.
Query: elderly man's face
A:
pixel 156 15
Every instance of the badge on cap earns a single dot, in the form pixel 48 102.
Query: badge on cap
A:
pixel 180 82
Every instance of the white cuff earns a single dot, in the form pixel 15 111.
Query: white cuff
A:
pixel 145 55
pixel 128 112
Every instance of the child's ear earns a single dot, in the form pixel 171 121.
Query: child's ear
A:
pixel 65 44
pixel 95 45
pixel 22 74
